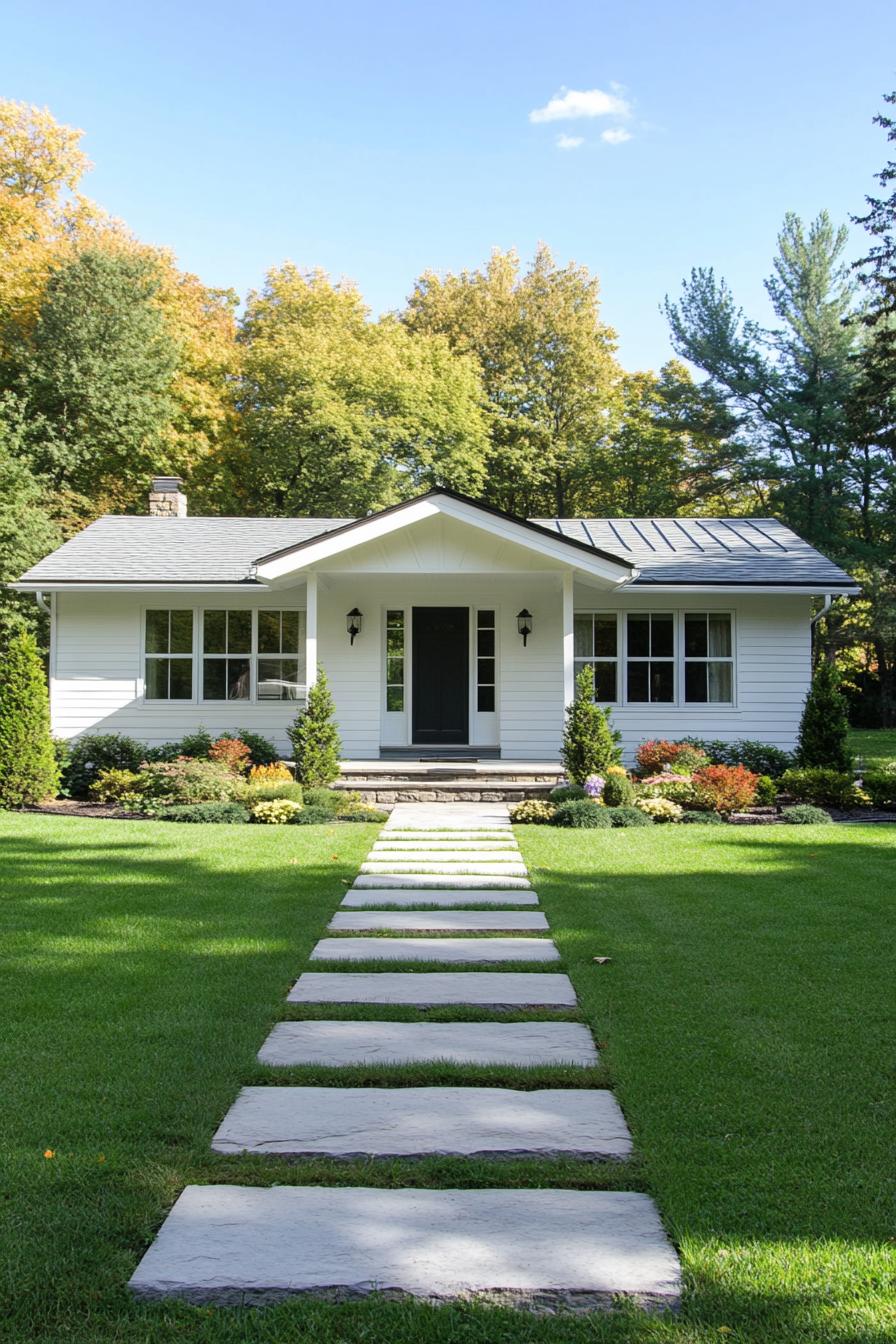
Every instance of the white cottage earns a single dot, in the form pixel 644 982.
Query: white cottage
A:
pixel 446 628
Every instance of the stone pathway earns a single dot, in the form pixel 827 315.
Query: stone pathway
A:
pixel 548 1248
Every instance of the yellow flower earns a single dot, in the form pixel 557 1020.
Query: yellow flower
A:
pixel 101 1158
pixel 49 1152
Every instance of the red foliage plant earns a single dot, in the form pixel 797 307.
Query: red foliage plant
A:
pixel 230 751
pixel 725 788
pixel 654 754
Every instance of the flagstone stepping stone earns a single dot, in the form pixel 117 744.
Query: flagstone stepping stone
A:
pixel 519 1044
pixel 444 845
pixel 435 949
pixel 508 858
pixel 235 1245
pixel 426 989
pixel 416 1121
pixel 459 881
pixel 447 920
pixel 491 837
pixel 471 869
pixel 412 896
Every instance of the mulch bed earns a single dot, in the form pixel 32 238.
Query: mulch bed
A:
pixel 78 807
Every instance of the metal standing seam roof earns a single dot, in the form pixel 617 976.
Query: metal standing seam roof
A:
pixel 724 551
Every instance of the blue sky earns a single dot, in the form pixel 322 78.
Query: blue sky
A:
pixel 379 139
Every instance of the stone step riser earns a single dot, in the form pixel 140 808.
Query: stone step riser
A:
pixel 423 1121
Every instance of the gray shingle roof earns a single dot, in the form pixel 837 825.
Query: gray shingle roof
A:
pixel 723 551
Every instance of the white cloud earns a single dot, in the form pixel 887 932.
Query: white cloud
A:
pixel 617 136
pixel 570 141
pixel 576 104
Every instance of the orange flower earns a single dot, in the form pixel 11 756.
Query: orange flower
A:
pixel 49 1152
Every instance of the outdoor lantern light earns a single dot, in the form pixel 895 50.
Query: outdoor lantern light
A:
pixel 353 623
pixel 524 624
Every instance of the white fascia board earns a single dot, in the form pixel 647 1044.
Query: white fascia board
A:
pixel 379 526
pixel 129 586
pixel 783 590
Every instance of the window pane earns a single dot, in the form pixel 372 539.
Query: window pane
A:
pixel 157 678
pixel 269 632
pixel 214 679
pixel 394 641
pixel 720 684
pixel 485 699
pixel 181 632
pixel 638 682
pixel 395 698
pixel 638 636
pixel 720 636
pixel 605 681
pixel 695 683
pixel 605 636
pixel 485 671
pixel 278 678
pixel 181 678
pixel 237 678
pixel 486 620
pixel 661 636
pixel 486 643
pixel 695 636
pixel 239 632
pixel 662 683
pixel 157 632
pixel 395 671
pixel 290 628
pixel 214 631
pixel 583 636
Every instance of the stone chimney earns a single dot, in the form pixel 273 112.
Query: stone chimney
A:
pixel 166 498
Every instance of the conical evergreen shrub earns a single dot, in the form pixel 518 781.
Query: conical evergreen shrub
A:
pixel 28 769
pixel 315 741
pixel 824 728
pixel 590 743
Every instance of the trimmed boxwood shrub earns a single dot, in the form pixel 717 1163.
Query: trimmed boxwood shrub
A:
pixel 265 793
pixel 313 816
pixel 628 816
pixel 806 815
pixel 331 800
pixel 582 814
pixel 567 793
pixel 228 814
pixel 766 791
pixel 702 819
pixel 363 814
pixel 619 791
pixel 822 787
pixel 880 785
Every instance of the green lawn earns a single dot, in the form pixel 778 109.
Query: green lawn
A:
pixel 875 746
pixel 746 1019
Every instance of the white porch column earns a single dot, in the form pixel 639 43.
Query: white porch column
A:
pixel 569 666
pixel 311 628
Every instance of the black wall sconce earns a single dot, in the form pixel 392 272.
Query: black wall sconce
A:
pixel 353 623
pixel 524 624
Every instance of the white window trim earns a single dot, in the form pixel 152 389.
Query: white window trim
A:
pixel 198 656
pixel 678 659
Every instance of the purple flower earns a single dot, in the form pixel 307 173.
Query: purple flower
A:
pixel 594 786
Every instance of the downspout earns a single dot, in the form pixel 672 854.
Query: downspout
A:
pixel 42 603
pixel 825 608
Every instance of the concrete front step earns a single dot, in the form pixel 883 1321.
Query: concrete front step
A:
pixel 412 896
pixel 424 1121
pixel 440 921
pixel 515 1044
pixel 461 868
pixel 432 989
pixel 431 881
pixel 235 1245
pixel 472 950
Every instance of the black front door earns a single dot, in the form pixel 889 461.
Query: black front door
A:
pixel 441 672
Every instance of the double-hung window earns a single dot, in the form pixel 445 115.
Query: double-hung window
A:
pixel 650 658
pixel 168 646
pixel 708 658
pixel 280 672
pixel 596 645
pixel 226 655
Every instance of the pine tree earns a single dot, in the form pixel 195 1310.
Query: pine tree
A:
pixel 28 770
pixel 315 740
pixel 590 744
pixel 824 727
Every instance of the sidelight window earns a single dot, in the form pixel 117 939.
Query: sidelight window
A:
pixel 395 654
pixel 485 662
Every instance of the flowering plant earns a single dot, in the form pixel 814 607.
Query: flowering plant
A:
pixel 276 812
pixel 661 809
pixel 594 786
